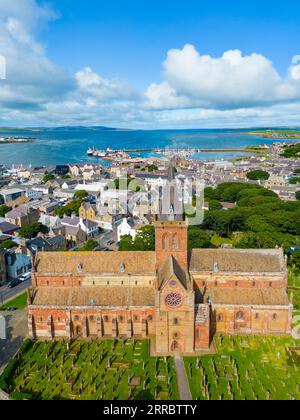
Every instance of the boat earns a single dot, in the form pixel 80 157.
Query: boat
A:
pixel 90 152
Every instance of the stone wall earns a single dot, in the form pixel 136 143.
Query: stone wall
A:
pixel 229 319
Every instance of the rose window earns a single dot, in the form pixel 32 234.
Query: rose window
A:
pixel 173 300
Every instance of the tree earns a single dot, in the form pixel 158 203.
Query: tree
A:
pixel 48 177
pixel 257 223
pixel 127 243
pixel 8 244
pixel 31 231
pixel 267 240
pixel 258 175
pixel 70 209
pixel 81 194
pixel 295 180
pixel 215 205
pixel 144 241
pixel 198 238
pixel 4 209
pixel 298 195
pixel 90 245
pixel 152 168
pixel 295 260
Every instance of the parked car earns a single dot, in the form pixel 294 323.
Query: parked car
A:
pixel 25 277
pixel 14 283
pixel 11 309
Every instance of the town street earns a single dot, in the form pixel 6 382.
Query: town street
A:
pixel 7 294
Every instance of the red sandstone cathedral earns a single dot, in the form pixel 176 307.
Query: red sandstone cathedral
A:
pixel 176 298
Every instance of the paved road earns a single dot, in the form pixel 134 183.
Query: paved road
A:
pixel 182 380
pixel 8 294
pixel 17 330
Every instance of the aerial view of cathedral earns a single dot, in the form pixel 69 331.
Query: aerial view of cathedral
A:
pixel 175 297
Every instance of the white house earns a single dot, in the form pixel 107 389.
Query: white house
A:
pixel 51 222
pixel 126 228
pixel 89 227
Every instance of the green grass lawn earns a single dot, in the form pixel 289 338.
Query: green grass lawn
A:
pixel 96 370
pixel 19 302
pixel 247 368
pixel 294 279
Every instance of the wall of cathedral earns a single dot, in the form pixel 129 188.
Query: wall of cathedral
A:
pixel 230 319
pixel 50 323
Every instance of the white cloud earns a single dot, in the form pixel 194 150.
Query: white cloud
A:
pixel 196 90
pixel 93 84
pixel 227 82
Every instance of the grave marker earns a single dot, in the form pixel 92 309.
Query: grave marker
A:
pixel 2 328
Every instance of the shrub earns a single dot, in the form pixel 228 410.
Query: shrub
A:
pixel 7 374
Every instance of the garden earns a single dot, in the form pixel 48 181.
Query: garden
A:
pixel 247 368
pixel 96 370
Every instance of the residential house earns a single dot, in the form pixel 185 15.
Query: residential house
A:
pixel 22 216
pixel 17 264
pixel 108 221
pixel 43 244
pixel 2 267
pixel 89 227
pixel 43 189
pixel 51 222
pixel 8 228
pixel 63 194
pixel 12 194
pixel 126 228
pixel 73 235
pixel 88 211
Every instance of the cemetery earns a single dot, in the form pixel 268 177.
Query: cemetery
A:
pixel 247 368
pixel 95 370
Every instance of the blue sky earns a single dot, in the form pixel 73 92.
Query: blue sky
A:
pixel 150 64
pixel 132 37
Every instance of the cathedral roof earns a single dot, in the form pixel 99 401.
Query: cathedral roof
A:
pixel 97 296
pixel 170 269
pixel 239 296
pixel 237 260
pixel 84 263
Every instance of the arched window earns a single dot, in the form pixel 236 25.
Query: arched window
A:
pixel 274 317
pixel 175 244
pixel 165 241
pixel 240 315
pixel 175 321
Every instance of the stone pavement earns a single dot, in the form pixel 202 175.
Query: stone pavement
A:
pixel 17 330
pixel 182 380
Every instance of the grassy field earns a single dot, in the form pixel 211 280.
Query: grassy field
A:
pixel 19 302
pixel 97 370
pixel 247 368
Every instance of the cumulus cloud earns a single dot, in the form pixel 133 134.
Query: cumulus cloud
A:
pixel 227 82
pixel 196 90
pixel 93 84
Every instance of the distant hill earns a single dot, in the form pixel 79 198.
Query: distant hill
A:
pixel 66 128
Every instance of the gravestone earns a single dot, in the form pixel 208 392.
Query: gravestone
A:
pixel 2 328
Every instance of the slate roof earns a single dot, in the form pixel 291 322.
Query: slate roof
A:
pixel 237 260
pixel 95 296
pixel 60 263
pixel 172 268
pixel 238 296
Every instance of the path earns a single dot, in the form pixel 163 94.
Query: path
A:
pixel 182 380
pixel 7 294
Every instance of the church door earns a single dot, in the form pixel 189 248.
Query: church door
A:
pixel 175 346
